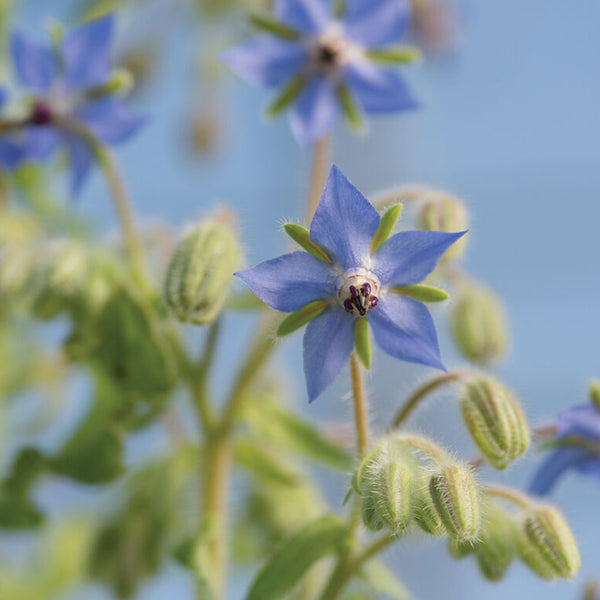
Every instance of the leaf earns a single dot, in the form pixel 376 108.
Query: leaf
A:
pixel 287 96
pixel 388 220
pixel 422 293
pixel 277 423
pixel 398 55
pixel 287 566
pixel 382 580
pixel 268 24
pixel 301 236
pixel 362 345
pixel 264 464
pixel 301 317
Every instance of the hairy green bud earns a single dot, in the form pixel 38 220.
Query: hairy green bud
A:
pixel 369 513
pixel 455 497
pixel 445 213
pixel 459 549
pixel 391 491
pixel 547 545
pixel 201 272
pixel 496 547
pixel 479 326
pixel 495 421
pixel 426 516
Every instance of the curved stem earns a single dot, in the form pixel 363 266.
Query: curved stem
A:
pixel 318 175
pixel 200 377
pixel 508 494
pixel 422 392
pixel 425 446
pixel 360 406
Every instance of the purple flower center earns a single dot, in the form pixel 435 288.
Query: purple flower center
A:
pixel 41 113
pixel 358 293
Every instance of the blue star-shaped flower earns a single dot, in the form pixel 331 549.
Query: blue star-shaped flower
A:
pixel 578 448
pixel 68 82
pixel 326 64
pixel 353 283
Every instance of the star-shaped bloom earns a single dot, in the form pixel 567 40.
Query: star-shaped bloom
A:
pixel 69 82
pixel 576 446
pixel 351 275
pixel 329 65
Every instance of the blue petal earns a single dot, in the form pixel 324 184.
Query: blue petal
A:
pixel 266 61
pixel 375 23
pixel 379 90
pixel 308 16
pixel 291 281
pixel 345 222
pixel 404 329
pixel 36 65
pixel 81 160
pixel 86 52
pixel 582 421
pixel 555 465
pixel 409 256
pixel 40 142
pixel 110 120
pixel 316 111
pixel 11 154
pixel 328 343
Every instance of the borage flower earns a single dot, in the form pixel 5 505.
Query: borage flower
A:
pixel 353 276
pixel 72 86
pixel 576 446
pixel 329 63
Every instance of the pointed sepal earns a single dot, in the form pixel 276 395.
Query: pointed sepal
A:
pixel 268 24
pixel 395 55
pixel 287 96
pixel 388 220
pixel 350 108
pixel 422 293
pixel 301 317
pixel 301 236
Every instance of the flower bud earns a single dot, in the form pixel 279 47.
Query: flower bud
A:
pixel 479 326
pixel 370 516
pixel 445 213
pixel 459 549
pixel 391 491
pixel 495 421
pixel 496 546
pixel 455 498
pixel 201 271
pixel 547 545
pixel 120 82
pixel 425 515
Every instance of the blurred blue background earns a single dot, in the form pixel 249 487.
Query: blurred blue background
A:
pixel 511 124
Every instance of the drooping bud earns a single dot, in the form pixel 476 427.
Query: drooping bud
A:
pixel 445 213
pixel 426 516
pixel 459 549
pixel 370 516
pixel 120 82
pixel 547 545
pixel 495 421
pixel 496 547
pixel 201 272
pixel 479 326
pixel 454 495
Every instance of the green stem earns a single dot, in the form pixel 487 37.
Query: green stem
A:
pixel 200 376
pixel 360 406
pixel 508 494
pixel 318 174
pixel 413 401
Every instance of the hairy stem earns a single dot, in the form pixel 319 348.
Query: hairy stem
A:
pixel 413 401
pixel 505 493
pixel 318 175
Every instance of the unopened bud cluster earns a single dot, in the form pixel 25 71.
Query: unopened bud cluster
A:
pixel 201 272
pixel 495 421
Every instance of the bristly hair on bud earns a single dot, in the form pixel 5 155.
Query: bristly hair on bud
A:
pixel 495 421
pixel 479 325
pixel 201 272
pixel 454 495
pixel 546 544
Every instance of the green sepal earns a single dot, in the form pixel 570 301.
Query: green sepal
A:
pixel 350 107
pixel 291 561
pixel 386 224
pixel 268 24
pixel 301 236
pixel 362 344
pixel 339 8
pixel 422 293
pixel 301 317
pixel 399 55
pixel 594 392
pixel 286 96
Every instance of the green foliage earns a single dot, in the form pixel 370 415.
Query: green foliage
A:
pixel 293 559
pixel 383 581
